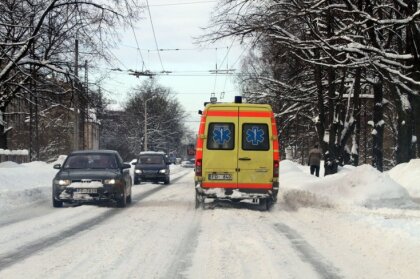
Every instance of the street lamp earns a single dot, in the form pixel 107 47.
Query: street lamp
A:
pixel 145 121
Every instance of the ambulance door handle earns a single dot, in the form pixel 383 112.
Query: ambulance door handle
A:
pixel 245 159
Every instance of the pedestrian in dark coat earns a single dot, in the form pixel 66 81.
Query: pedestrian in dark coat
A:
pixel 314 159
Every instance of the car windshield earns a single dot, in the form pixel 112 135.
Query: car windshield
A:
pixel 151 160
pixel 91 161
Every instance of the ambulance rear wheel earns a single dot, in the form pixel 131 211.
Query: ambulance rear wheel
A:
pixel 266 204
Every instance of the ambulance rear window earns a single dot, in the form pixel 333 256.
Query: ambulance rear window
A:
pixel 221 136
pixel 255 137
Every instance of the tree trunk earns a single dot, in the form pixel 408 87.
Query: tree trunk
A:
pixel 356 114
pixel 417 125
pixel 3 134
pixel 320 125
pixel 331 162
pixel 378 126
pixel 405 129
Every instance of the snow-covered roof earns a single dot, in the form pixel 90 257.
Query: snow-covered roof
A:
pixel 114 107
pixel 14 152
pixel 152 153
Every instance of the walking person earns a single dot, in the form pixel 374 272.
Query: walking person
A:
pixel 314 160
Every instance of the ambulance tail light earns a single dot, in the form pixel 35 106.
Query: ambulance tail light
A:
pixel 276 166
pixel 198 167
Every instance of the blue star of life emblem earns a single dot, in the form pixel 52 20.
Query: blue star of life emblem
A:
pixel 221 135
pixel 255 135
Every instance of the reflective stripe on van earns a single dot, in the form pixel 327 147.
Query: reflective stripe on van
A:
pixel 235 113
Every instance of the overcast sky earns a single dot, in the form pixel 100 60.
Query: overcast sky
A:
pixel 176 22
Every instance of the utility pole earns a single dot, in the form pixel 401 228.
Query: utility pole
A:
pixel 86 138
pixel 31 69
pixel 145 125
pixel 76 97
pixel 145 122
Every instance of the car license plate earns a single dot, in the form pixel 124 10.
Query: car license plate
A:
pixel 87 191
pixel 220 176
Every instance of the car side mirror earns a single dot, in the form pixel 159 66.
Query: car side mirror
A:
pixel 126 166
pixel 134 163
pixel 57 166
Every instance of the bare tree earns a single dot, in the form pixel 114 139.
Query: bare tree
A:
pixel 37 41
pixel 346 45
pixel 165 128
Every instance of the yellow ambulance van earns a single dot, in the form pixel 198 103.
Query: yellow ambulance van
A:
pixel 237 153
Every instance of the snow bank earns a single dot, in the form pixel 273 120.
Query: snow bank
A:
pixel 9 164
pixel 24 184
pixel 359 186
pixel 408 176
pixel 26 176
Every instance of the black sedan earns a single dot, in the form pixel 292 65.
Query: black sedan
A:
pixel 92 176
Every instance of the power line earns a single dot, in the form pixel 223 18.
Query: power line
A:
pixel 222 93
pixel 137 43
pixel 154 34
pixel 110 51
pixel 249 46
pixel 175 49
pixel 183 3
pixel 215 78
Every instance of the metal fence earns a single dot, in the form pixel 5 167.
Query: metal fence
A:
pixel 17 156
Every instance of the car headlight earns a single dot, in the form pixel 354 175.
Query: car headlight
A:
pixel 111 181
pixel 162 171
pixel 138 171
pixel 62 182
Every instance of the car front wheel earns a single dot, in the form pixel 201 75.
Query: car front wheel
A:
pixel 122 202
pixel 167 181
pixel 57 203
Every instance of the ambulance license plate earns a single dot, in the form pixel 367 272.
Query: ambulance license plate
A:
pixel 220 176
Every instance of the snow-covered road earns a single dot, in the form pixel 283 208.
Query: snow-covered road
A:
pixel 161 235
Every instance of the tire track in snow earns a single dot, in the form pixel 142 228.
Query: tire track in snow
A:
pixel 22 214
pixel 26 251
pixel 308 254
pixel 184 253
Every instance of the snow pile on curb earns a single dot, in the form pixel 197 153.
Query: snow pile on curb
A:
pixel 24 184
pixel 25 176
pixel 361 186
pixel 10 200
pixel 408 176
pixel 9 164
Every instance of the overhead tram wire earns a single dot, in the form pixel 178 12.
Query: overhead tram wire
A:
pixel 116 58
pixel 215 78
pixel 154 35
pixel 184 3
pixel 138 45
pixel 222 93
pixel 174 49
pixel 248 47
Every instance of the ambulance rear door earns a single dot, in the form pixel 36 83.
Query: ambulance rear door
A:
pixel 255 151
pixel 220 148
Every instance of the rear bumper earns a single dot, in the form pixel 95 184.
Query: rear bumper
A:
pixel 152 177
pixel 230 192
